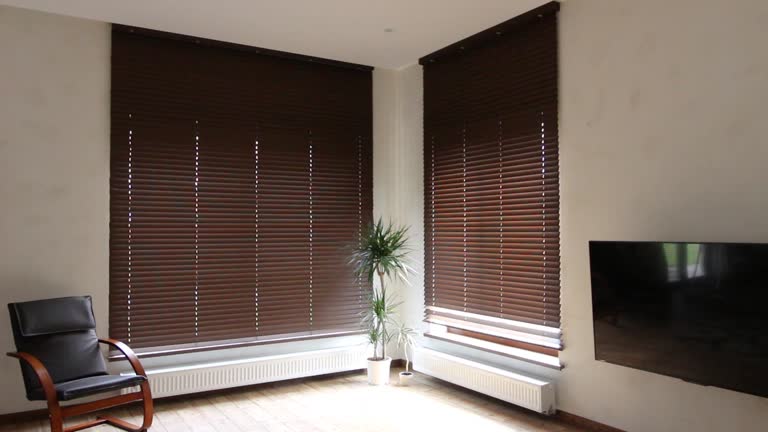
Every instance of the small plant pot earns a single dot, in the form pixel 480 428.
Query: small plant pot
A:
pixel 378 371
pixel 405 378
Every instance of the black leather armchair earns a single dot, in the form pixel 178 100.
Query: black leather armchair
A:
pixel 60 360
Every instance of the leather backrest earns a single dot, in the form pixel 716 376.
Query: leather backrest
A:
pixel 61 315
pixel 61 333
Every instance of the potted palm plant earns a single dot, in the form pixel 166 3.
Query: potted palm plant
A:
pixel 381 254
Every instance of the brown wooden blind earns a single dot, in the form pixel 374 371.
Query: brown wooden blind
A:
pixel 240 180
pixel 491 175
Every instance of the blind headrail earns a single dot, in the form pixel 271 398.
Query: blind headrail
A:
pixel 237 47
pixel 491 33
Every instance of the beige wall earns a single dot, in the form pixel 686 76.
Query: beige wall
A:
pixel 663 137
pixel 54 182
pixel 398 172
pixel 54 169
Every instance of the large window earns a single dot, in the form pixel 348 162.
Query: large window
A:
pixel 491 187
pixel 240 181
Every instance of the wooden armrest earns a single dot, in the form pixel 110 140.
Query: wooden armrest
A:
pixel 46 382
pixel 128 353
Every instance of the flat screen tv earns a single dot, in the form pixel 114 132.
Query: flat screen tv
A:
pixel 695 311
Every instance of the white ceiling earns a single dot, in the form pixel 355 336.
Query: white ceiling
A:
pixel 347 30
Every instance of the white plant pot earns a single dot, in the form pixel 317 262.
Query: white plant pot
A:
pixel 378 371
pixel 405 378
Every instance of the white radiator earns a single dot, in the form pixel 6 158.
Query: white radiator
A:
pixel 213 376
pixel 532 393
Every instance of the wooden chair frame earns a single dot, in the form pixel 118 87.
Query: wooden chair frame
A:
pixel 57 414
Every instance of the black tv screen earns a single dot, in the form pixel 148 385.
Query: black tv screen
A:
pixel 695 311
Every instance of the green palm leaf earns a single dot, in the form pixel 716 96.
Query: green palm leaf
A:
pixel 382 252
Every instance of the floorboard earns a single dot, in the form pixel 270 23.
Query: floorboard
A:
pixel 341 403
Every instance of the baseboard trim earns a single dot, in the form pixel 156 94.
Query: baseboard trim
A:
pixel 23 416
pixel 573 419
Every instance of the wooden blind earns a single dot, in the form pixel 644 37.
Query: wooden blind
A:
pixel 240 181
pixel 491 177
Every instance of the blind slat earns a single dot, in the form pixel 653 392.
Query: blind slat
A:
pixel 239 182
pixel 491 177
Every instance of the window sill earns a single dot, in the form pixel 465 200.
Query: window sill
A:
pixel 524 333
pixel 494 348
pixel 115 356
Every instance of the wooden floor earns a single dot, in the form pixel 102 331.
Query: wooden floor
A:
pixel 341 403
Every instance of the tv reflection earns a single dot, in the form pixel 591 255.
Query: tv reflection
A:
pixel 695 311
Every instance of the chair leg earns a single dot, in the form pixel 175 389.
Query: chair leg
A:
pixel 149 412
pixel 122 424
pixel 57 423
pixel 55 417
pixel 149 405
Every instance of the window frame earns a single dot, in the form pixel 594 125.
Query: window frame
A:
pixel 448 71
pixel 209 88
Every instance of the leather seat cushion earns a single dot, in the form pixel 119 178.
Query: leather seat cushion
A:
pixel 90 385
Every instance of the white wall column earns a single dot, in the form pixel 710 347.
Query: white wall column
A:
pixel 398 186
